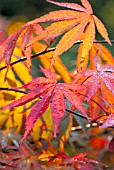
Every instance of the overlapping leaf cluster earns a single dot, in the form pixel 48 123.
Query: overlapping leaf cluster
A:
pixel 91 82
pixel 48 88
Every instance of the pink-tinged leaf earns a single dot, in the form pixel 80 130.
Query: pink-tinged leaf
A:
pixel 36 82
pixel 88 160
pixel 94 79
pixel 37 28
pixel 93 86
pixel 58 16
pixel 58 109
pixel 11 42
pixel 26 38
pixel 69 39
pixel 101 29
pixel 108 68
pixel 87 5
pixel 2 37
pixel 2 48
pixel 73 99
pixel 94 109
pixel 111 145
pixel 107 75
pixel 88 73
pixel 37 110
pixel 68 5
pixel 48 73
pixel 96 61
pixel 79 156
pixel 108 83
pixel 23 148
pixel 6 49
pixel 109 122
pixel 74 87
pixel 56 29
pixel 28 97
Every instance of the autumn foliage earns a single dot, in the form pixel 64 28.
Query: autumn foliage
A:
pixel 48 105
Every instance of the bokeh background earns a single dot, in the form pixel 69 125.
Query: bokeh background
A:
pixel 24 10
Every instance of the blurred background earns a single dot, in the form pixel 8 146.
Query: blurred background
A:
pixel 25 10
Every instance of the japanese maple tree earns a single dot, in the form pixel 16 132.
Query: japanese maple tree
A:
pixel 86 91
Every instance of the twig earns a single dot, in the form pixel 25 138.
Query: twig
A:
pixel 70 111
pixel 77 114
pixel 95 102
pixel 21 91
pixel 49 50
pixel 25 58
pixel 11 89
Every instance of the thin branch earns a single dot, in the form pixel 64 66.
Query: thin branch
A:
pixel 21 91
pixel 75 113
pixel 15 90
pixel 25 58
pixel 49 50
pixel 95 102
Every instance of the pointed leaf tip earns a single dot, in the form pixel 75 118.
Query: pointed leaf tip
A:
pixel 68 5
pixel 47 73
pixel 37 110
pixel 87 5
pixel 58 109
pixel 101 29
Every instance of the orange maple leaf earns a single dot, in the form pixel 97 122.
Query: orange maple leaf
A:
pixel 74 23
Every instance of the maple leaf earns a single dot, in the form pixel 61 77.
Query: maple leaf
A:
pixel 76 159
pixel 104 74
pixel 74 22
pixel 109 122
pixel 22 159
pixel 6 49
pixel 48 89
pixel 26 34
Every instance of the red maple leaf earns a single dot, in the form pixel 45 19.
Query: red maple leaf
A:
pixel 48 89
pixel 104 74
pixel 26 34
